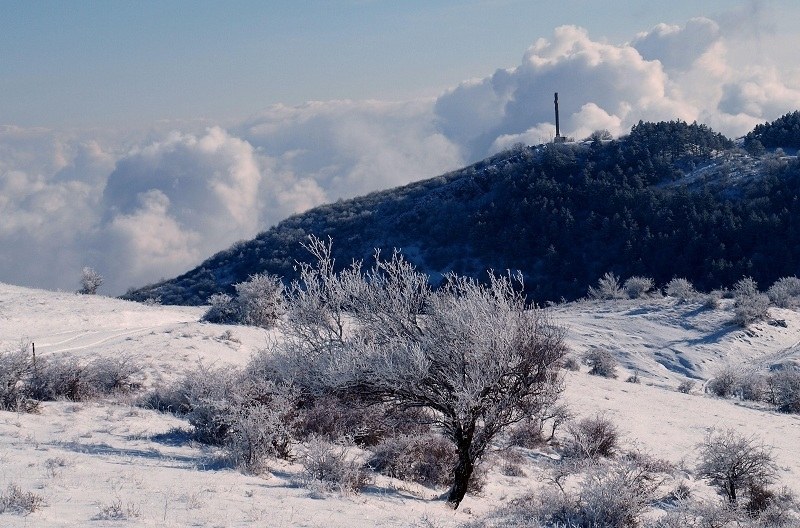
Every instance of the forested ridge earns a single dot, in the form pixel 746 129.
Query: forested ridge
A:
pixel 670 199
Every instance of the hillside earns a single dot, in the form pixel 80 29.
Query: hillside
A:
pixel 88 460
pixel 670 199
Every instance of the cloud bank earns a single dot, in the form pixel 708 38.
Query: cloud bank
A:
pixel 143 207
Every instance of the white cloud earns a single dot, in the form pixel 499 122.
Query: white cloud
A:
pixel 139 207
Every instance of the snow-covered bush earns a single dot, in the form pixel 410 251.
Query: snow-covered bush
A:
pixel 680 289
pixel 724 382
pixel 15 369
pixel 540 427
pixel 601 362
pixel 333 418
pixel 260 425
pixel 636 287
pixel 752 386
pixel 223 309
pixel 592 437
pixel 750 305
pixel 481 347
pixel 67 377
pixel 785 292
pixel 332 467
pixel 258 302
pixel 14 500
pixel 607 288
pixel 90 281
pixel 735 464
pixel 686 386
pixel 570 363
pixel 784 389
pixel 427 459
pixel 608 495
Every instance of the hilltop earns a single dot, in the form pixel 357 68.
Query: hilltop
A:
pixel 669 199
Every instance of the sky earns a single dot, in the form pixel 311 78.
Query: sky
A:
pixel 141 137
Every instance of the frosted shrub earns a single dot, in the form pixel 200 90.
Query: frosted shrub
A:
pixel 609 495
pixel 725 382
pixel 636 287
pixel 749 305
pixel 785 292
pixel 15 368
pixel 260 426
pixel 64 377
pixel 384 334
pixel 427 460
pixel 223 309
pixel 592 438
pixel 680 289
pixel 260 300
pixel 686 386
pixel 745 287
pixel 784 387
pixel 14 500
pixel 607 288
pixel 601 363
pixel 735 464
pixel 331 467
pixel 90 281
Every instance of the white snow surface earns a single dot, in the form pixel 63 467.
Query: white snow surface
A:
pixel 84 457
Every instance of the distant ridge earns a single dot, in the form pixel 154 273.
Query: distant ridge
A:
pixel 669 199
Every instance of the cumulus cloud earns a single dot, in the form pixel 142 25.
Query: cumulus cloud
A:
pixel 142 206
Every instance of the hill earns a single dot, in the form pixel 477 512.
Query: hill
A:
pixel 669 199
pixel 107 461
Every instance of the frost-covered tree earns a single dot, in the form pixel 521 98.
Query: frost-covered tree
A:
pixel 735 463
pixel 750 305
pixel 607 288
pixel 476 356
pixel 260 300
pixel 90 280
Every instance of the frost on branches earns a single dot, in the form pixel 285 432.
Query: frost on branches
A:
pixel 476 356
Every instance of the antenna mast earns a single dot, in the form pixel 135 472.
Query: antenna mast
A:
pixel 558 138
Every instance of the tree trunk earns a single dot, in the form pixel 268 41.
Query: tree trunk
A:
pixel 462 473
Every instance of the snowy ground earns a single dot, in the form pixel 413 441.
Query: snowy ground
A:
pixel 89 460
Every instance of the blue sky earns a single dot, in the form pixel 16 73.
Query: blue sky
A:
pixel 140 137
pixel 128 63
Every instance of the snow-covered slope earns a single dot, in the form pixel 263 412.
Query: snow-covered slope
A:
pixel 89 459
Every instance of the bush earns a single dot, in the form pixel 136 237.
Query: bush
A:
pixel 735 464
pixel 607 288
pixel 62 377
pixel 258 302
pixel 680 289
pixel 784 388
pixel 601 363
pixel 15 369
pixel 748 310
pixel 427 460
pixel 14 500
pixel 725 382
pixel 328 465
pixel 333 418
pixel 636 287
pixel 686 386
pixel 222 310
pixel 592 438
pixel 90 281
pixel 260 428
pixel 570 363
pixel 785 292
